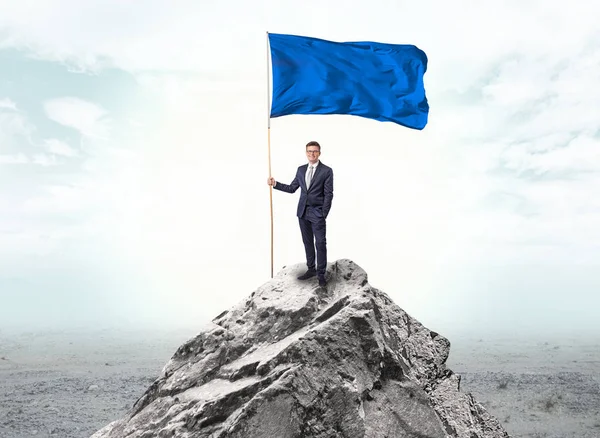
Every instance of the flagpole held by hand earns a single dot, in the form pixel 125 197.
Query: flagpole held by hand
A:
pixel 269 148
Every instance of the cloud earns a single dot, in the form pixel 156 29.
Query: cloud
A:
pixel 86 117
pixel 57 199
pixel 58 147
pixel 579 155
pixel 14 159
pixel 16 132
pixel 135 39
pixel 37 159
pixel 6 103
pixel 18 135
pixel 44 160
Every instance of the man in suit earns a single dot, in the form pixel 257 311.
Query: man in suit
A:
pixel 315 181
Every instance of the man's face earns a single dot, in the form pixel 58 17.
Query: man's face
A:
pixel 313 152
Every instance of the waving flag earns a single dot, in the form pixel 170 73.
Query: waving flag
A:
pixel 368 79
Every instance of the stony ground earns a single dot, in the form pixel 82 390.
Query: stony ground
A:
pixel 70 384
pixel 535 388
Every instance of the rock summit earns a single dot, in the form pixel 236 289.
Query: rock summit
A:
pixel 297 360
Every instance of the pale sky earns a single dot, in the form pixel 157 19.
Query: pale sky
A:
pixel 133 162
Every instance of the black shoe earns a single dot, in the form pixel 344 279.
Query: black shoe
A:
pixel 308 274
pixel 322 281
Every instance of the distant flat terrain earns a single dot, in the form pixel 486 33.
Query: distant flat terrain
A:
pixel 536 388
pixel 70 384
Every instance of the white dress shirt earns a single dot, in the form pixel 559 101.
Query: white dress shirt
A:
pixel 308 172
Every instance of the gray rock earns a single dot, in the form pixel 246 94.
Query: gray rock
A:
pixel 296 360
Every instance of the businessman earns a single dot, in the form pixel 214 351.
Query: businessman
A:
pixel 315 181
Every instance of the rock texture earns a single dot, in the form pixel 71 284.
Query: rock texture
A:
pixel 297 360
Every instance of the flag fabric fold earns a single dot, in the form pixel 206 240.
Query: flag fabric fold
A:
pixel 368 79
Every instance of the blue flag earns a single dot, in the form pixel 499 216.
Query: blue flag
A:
pixel 373 80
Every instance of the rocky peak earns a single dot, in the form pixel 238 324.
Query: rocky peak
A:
pixel 296 360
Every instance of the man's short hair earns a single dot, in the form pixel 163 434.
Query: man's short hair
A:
pixel 314 143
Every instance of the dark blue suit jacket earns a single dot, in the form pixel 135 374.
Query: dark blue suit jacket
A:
pixel 320 193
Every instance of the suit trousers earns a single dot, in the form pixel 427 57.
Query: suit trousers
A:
pixel 313 228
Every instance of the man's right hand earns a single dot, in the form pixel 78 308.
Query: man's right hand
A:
pixel 271 181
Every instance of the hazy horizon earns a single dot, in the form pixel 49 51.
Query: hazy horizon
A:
pixel 498 318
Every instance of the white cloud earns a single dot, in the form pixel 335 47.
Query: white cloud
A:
pixel 581 154
pixel 6 103
pixel 86 117
pixel 58 147
pixel 14 159
pixel 15 244
pixel 44 160
pixel 520 81
pixel 136 37
pixel 37 159
pixel 55 199
pixel 15 131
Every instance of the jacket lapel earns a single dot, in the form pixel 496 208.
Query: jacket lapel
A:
pixel 315 175
pixel 303 176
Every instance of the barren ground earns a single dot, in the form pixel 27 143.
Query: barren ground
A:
pixel 70 384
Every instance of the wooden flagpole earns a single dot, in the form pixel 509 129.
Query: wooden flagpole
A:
pixel 269 148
